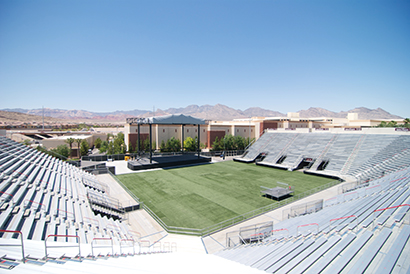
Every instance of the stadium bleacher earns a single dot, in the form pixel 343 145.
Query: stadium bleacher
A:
pixel 363 156
pixel 45 202
pixel 366 234
pixel 42 196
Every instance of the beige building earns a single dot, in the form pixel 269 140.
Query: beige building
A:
pixel 207 132
pixel 248 128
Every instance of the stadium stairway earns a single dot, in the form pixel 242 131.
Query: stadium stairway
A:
pixel 258 147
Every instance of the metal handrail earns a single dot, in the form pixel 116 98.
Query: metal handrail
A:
pixel 280 229
pixel 63 246
pixel 128 240
pixel 135 233
pixel 22 244
pixel 91 220
pixel 372 188
pixel 382 209
pixel 147 244
pixel 342 218
pixel 28 201
pixel 297 228
pixel 103 246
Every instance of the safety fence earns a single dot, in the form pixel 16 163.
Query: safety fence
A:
pixel 302 209
pixel 249 234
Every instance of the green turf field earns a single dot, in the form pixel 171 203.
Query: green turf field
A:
pixel 201 196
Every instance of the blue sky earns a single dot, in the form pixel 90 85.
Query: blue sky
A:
pixel 276 54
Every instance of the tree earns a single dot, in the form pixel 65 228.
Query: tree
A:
pixel 120 136
pixel 98 143
pixel 110 148
pixel 118 144
pixel 229 142
pixel 407 122
pixel 62 150
pixel 190 144
pixel 83 126
pixel 248 141
pixel 78 141
pixel 136 147
pixel 392 124
pixel 104 147
pixel 70 142
pixel 217 145
pixel 382 124
pixel 239 142
pixel 173 145
pixel 130 148
pixel 162 147
pixel 26 142
pixel 84 147
pixel 123 148
pixel 145 145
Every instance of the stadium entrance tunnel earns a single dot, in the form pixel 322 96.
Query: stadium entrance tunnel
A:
pixel 281 159
pixel 323 165
pixel 305 163
pixel 261 157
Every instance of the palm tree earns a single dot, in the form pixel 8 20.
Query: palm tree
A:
pixel 70 142
pixel 78 141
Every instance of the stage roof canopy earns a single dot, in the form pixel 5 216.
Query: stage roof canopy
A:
pixel 178 119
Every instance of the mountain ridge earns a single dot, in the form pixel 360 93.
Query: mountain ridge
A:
pixel 217 112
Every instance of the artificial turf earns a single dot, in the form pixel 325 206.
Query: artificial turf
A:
pixel 204 195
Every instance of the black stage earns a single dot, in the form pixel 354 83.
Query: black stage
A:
pixel 167 161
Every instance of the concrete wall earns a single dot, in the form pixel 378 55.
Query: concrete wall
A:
pixel 55 142
pixel 20 137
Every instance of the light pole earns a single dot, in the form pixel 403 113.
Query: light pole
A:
pixel 249 130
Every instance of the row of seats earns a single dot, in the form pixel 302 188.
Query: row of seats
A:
pixel 41 195
pixel 356 155
pixel 346 235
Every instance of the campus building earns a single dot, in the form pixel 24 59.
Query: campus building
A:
pixel 252 127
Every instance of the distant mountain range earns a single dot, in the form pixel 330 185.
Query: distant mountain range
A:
pixel 217 112
pixel 364 113
pixel 18 117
